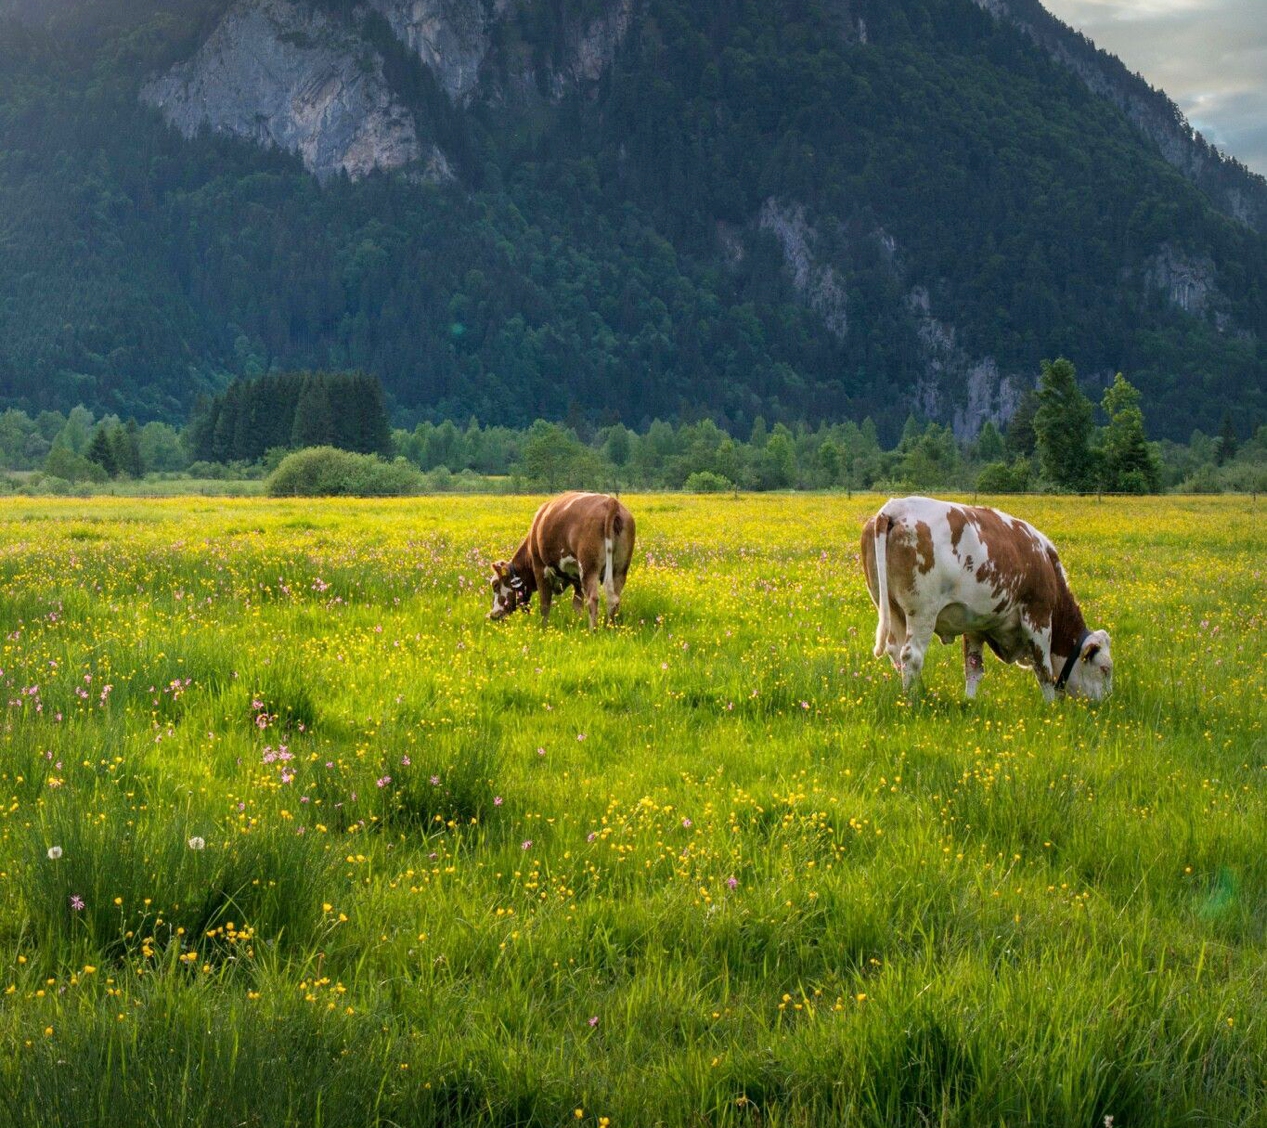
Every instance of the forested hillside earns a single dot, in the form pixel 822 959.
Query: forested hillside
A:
pixel 809 210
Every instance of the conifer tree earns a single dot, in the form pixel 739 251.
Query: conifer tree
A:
pixel 101 451
pixel 1129 463
pixel 1062 427
pixel 314 417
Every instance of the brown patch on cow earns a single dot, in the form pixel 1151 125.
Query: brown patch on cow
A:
pixel 958 521
pixel 923 547
pixel 1016 566
pixel 903 560
pixel 1067 623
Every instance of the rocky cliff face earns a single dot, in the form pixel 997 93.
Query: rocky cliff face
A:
pixel 280 74
pixel 1232 188
pixel 951 384
pixel 1189 282
pixel 452 37
pixel 815 281
pixel 965 390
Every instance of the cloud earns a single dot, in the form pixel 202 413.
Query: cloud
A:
pixel 1210 56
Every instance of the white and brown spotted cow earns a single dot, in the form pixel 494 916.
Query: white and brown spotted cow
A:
pixel 578 540
pixel 933 567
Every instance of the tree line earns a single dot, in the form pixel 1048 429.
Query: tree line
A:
pixel 1058 439
pixel 291 410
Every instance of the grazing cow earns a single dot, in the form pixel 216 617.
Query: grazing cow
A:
pixel 937 568
pixel 577 540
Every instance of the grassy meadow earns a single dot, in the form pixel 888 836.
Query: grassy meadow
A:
pixel 290 835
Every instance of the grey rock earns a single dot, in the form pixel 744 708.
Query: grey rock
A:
pixel 279 74
pixel 816 282
pixel 954 386
pixel 1190 283
pixel 452 37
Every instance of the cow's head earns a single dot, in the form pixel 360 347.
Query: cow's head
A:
pixel 509 592
pixel 1092 674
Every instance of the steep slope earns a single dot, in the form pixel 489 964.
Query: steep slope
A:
pixel 1233 188
pixel 617 208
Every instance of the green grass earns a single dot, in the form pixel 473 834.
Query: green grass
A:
pixel 708 868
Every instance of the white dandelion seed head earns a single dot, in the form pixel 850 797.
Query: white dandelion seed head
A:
pixel 197 843
pixel 54 852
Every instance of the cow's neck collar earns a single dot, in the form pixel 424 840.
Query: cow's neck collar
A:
pixel 1072 660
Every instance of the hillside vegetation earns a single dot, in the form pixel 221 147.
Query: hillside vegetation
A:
pixel 803 210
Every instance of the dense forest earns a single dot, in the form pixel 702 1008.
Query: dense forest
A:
pixel 597 257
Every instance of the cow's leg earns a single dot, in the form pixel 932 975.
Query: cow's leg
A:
pixel 1042 671
pixel 589 582
pixel 611 585
pixel 919 633
pixel 578 604
pixel 892 645
pixel 973 665
pixel 545 586
pixel 1040 659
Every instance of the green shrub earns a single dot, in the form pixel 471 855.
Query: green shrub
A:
pixel 329 472
pixel 705 481
pixel 1002 477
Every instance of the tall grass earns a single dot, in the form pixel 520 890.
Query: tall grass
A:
pixel 331 849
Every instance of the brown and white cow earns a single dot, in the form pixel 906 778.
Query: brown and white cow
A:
pixel 578 540
pixel 933 567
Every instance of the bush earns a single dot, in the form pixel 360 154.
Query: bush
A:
pixel 64 463
pixel 1000 477
pixel 213 470
pixel 329 472
pixel 51 484
pixel 705 481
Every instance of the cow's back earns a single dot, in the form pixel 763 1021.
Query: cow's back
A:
pixel 575 525
pixel 982 560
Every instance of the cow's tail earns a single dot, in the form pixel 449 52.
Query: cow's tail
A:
pixel 882 526
pixel 613 526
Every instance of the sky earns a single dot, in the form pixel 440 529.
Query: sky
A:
pixel 1210 56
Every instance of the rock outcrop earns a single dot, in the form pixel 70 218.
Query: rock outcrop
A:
pixel 1190 283
pixel 276 73
pixel 283 73
pixel 457 40
pixel 954 386
pixel 451 37
pixel 817 283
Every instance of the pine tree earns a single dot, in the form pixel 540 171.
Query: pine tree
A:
pixel 1062 427
pixel 314 417
pixel 989 443
pixel 125 443
pixel 1021 439
pixel 1129 463
pixel 1225 448
pixel 374 433
pixel 101 451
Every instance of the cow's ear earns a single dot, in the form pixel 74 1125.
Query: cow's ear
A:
pixel 499 569
pixel 1097 641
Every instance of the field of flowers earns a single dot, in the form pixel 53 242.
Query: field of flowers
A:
pixel 290 835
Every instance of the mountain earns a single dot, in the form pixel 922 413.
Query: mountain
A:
pixel 603 209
